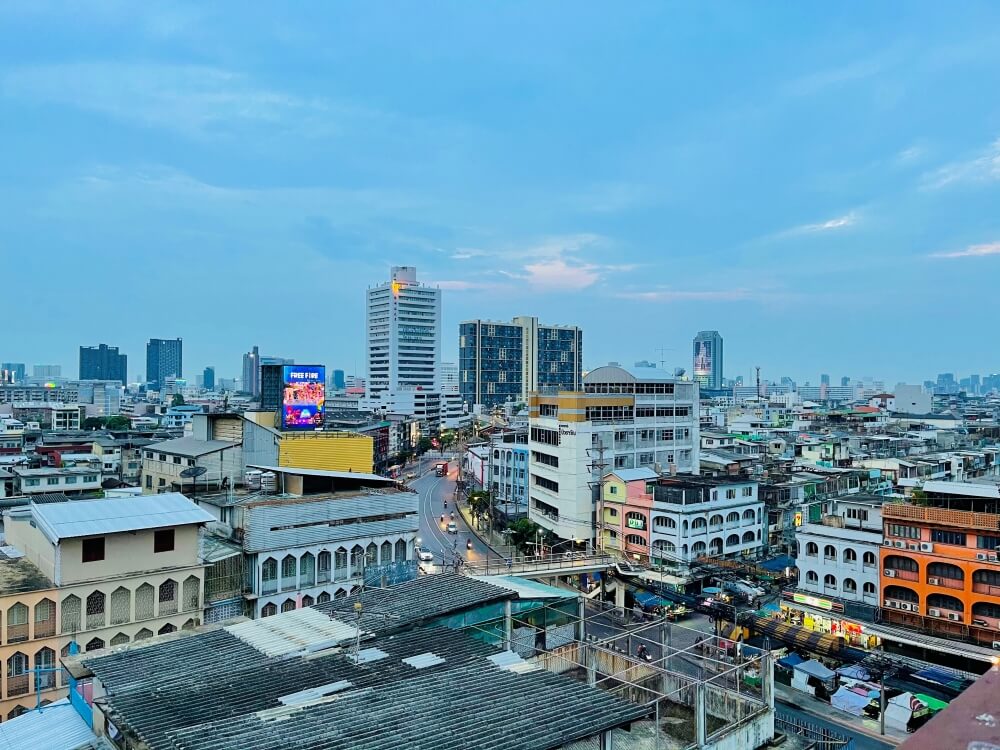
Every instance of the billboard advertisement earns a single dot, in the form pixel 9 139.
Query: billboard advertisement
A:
pixel 303 397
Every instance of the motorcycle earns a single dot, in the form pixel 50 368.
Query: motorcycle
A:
pixel 643 654
pixel 468 544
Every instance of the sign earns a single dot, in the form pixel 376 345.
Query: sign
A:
pixel 304 397
pixel 636 523
pixel 798 519
pixel 566 430
pixel 813 601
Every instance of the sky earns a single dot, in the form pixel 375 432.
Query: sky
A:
pixel 820 182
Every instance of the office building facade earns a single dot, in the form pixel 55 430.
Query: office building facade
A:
pixel 403 336
pixel 12 373
pixel 501 362
pixel 164 358
pixel 103 362
pixel 707 353
pixel 208 379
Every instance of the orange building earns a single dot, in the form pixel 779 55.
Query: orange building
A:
pixel 940 571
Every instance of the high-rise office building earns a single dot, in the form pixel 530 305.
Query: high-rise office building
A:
pixel 12 373
pixel 845 381
pixel 103 362
pixel 251 372
pixel 46 371
pixel 164 359
pixel 337 380
pixel 208 379
pixel 824 379
pixel 500 362
pixel 707 370
pixel 403 336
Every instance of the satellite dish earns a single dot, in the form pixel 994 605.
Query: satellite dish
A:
pixel 193 471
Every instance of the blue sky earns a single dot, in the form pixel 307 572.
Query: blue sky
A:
pixel 819 182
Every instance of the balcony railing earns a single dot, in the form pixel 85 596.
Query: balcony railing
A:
pixel 947 583
pixel 985 588
pixel 942 516
pixel 17 685
pixel 904 575
pixel 269 587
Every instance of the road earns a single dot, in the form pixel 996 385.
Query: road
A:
pixel 434 491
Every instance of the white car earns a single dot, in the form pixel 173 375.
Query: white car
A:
pixel 451 528
pixel 424 554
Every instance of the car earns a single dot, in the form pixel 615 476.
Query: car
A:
pixel 452 527
pixel 424 554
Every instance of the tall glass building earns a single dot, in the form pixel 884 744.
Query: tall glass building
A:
pixel 103 362
pixel 707 368
pixel 164 359
pixel 500 362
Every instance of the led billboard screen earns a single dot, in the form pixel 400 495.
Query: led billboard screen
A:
pixel 304 397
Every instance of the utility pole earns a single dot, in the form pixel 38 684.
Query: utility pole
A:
pixel 598 465
pixel 759 394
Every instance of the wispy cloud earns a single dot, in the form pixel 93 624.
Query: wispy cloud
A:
pixel 821 80
pixel 830 225
pixel 686 295
pixel 982 167
pixel 910 155
pixel 972 251
pixel 462 285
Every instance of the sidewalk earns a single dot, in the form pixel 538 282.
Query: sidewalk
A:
pixel 823 710
pixel 494 545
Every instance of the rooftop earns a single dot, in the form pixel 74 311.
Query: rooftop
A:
pixel 52 471
pixel 190 447
pixel 324 473
pixel 58 727
pixel 18 575
pixel 632 475
pixel 613 373
pixel 115 515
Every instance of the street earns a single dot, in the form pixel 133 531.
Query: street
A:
pixel 434 491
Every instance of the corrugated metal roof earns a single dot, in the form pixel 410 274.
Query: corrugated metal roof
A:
pixel 420 661
pixel 58 727
pixel 367 655
pixel 324 473
pixel 190 447
pixel 293 632
pixel 314 693
pixel 115 515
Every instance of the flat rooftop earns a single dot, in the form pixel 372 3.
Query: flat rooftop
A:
pixel 18 575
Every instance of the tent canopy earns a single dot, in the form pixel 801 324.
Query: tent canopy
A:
pixel 850 701
pixel 816 669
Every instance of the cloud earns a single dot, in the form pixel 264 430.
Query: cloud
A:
pixel 819 81
pixel 983 167
pixel 838 222
pixel 560 274
pixel 461 285
pixel 681 295
pixel 972 251
pixel 910 155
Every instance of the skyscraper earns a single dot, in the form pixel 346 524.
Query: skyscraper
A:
pixel 12 372
pixel 501 361
pixel 208 379
pixel 46 371
pixel 164 359
pixel 707 368
pixel 337 380
pixel 403 336
pixel 824 379
pixel 251 372
pixel 103 362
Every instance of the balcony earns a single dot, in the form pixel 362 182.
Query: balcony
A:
pixel 985 588
pixel 904 575
pixel 946 583
pixel 942 516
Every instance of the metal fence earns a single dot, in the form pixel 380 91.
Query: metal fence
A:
pixel 821 738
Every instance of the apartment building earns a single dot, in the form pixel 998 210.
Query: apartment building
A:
pixel 70 480
pixel 95 573
pixel 622 419
pixel 51 415
pixel 319 536
pixel 940 571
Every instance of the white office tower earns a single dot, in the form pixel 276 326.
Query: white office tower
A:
pixel 404 338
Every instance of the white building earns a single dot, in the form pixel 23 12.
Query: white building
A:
pixel 622 419
pixel 837 553
pixel 403 335
pixel 910 399
pixel 70 480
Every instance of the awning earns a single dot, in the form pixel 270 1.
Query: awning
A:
pixel 932 703
pixel 808 640
pixel 816 669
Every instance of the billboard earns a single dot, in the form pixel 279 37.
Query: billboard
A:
pixel 303 397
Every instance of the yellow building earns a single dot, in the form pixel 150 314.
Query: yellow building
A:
pixel 330 451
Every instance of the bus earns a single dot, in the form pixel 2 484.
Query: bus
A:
pixel 441 468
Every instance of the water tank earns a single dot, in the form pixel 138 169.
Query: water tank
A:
pixel 269 482
pixel 252 479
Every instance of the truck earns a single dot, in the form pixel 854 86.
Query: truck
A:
pixel 441 468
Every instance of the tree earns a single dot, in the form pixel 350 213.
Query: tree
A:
pixel 93 423
pixel 403 456
pixel 479 502
pixel 424 445
pixel 177 400
pixel 524 535
pixel 117 422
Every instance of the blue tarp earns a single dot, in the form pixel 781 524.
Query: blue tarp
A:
pixel 778 564
pixel 649 600
pixel 791 660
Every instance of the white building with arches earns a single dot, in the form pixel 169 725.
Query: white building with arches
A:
pixel 319 539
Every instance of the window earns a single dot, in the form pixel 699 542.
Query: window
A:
pixel 811 576
pixel 748 492
pixel 634 539
pixel 268 610
pixel 94 644
pixel 168 597
pixel 93 549
pixel 948 537
pixel 898 562
pixel 664 522
pixel 308 601
pixel 289 567
pixel 307 566
pixel 730 494
pixel 943 601
pixel 546 483
pixel 70 614
pixel 850 556
pixel 812 549
pixel 830 552
pixel 323 598
pixel 288 605
pixel 52 481
pixel 95 610
pixel 120 639
pixel 850 586
pixel 70 480
pixel 144 634
pixel 45 618
pixel 191 593
pixel 733 540
pixel 168 628
pixel 715 520
pixel 830 581
pixel 869 588
pixel 909 532
pixel 45 658
pixel 149 482
pixel 748 537
pixel 901 593
pixel 385 552
pixel 17 674
pixel 988 542
pixel 371 554
pixel 541 435
pixel 748 515
pixel 868 558
pixel 548 410
pixel 163 540
pixel 699 523
pixel 177 459
pixel 400 550
pixel 121 605
pixel 859 514
pixel 945 570
pixel 545 458
pixel 144 596
pixel 733 517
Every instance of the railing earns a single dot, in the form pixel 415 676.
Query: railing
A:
pixel 947 583
pixel 820 738
pixel 904 575
pixel 943 516
pixel 522 565
pixel 985 588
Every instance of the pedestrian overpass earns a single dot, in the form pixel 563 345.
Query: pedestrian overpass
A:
pixel 549 566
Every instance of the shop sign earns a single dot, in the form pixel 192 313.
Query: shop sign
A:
pixel 636 523
pixel 814 601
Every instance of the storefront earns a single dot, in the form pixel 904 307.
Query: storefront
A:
pixel 824 616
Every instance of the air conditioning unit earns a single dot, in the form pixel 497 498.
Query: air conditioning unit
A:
pixel 899 544
pixel 954 616
pixel 994 558
pixel 934 612
pixel 890 604
pixel 889 573
pixel 905 605
pixel 926 547
pixel 934 581
pixel 913 546
pixel 981 556
pixel 981 623
pixel 996 644
pixel 887 542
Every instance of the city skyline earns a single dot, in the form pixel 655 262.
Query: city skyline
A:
pixel 795 165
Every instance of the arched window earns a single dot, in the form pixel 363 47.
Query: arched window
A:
pixel 121 605
pixel 144 634
pixel 830 581
pixel 698 548
pixel 45 658
pixel 269 609
pixel 869 588
pixel 850 586
pixel 635 520
pixel 904 567
pixel 308 601
pixel 95 610
pixel 120 639
pixel 191 593
pixel 698 523
pixel 943 601
pixel 400 550
pixel 986 609
pixel 635 539
pixel 715 546
pixel 945 573
pixel 323 598
pixel 715 521
pixel 190 624
pixel 95 644
pixel 748 515
pixel 664 551
pixel 324 561
pixel 986 582
pixel 168 597
pixel 357 559
pixel 902 594
pixel 307 569
pixel 664 522
pixel 371 554
pixel 45 618
pixel 17 674
pixel 684 528
pixel 289 568
pixel 70 614
pixel 850 556
pixel 269 574
pixel 811 576
pixel 812 549
pixel 168 628
pixel 385 552
pixel 340 570
pixel 144 596
pixel 288 605
pixel 733 517
pixel 829 552
pixel 733 540
pixel 748 537
pixel 17 623
pixel 868 559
